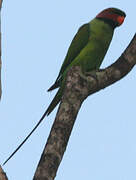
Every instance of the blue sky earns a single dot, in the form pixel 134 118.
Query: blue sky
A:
pixel 35 39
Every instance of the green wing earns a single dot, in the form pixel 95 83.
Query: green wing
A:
pixel 78 43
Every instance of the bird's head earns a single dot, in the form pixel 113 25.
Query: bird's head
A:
pixel 113 16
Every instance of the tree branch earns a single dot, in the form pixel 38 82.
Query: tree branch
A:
pixel 78 88
pixel 0 48
pixel 2 174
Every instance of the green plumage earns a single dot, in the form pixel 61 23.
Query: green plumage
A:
pixel 87 50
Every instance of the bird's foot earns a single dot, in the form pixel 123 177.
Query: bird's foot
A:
pixel 92 74
pixel 88 76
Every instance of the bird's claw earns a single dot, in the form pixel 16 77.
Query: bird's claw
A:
pixel 92 74
pixel 88 75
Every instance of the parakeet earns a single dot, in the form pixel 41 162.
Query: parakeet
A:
pixel 87 50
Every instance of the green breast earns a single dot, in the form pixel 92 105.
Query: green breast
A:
pixel 91 57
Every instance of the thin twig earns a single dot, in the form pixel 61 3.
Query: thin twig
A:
pixel 0 49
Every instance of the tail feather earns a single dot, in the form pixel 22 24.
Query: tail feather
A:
pixel 51 107
pixel 54 86
pixel 54 102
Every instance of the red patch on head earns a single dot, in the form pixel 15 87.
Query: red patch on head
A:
pixel 113 16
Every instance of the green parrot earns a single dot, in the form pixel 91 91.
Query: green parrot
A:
pixel 87 50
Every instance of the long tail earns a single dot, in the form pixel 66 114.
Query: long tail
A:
pixel 51 107
pixel 54 86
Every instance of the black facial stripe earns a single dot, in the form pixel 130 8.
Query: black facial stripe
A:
pixel 112 23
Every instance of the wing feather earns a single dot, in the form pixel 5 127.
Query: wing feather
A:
pixel 78 43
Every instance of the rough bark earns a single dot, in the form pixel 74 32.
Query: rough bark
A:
pixel 0 49
pixel 2 174
pixel 78 87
